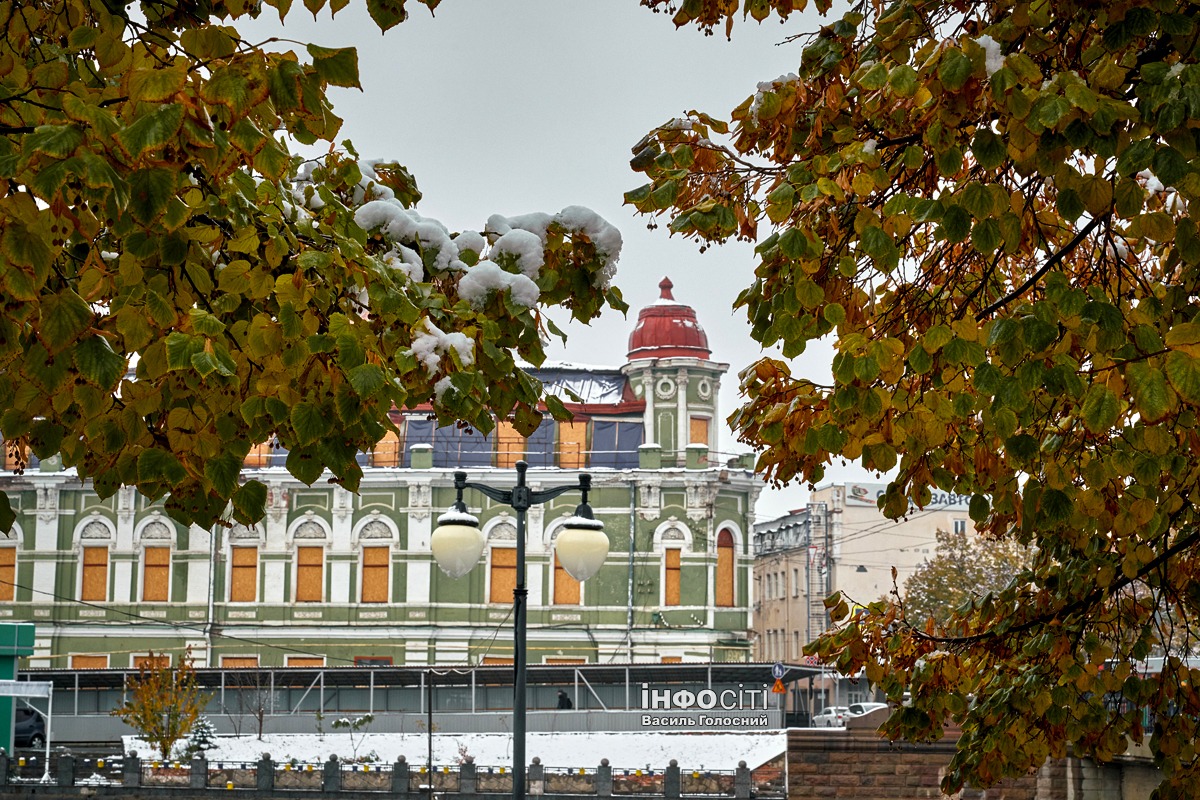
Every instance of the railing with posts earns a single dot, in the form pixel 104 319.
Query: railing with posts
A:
pixel 399 779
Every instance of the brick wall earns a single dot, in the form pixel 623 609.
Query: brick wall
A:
pixel 857 765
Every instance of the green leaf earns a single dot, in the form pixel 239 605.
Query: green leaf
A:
pixel 180 349
pixel 1056 505
pixel 366 379
pixel 223 471
pixel 336 66
pixel 1183 372
pixel 155 130
pixel 304 465
pixel 1100 408
pixel 149 192
pixel 98 363
pixel 903 80
pixel 250 502
pixel 58 141
pixel 387 13
pixel 65 316
pixel 310 422
pixel 979 508
pixel 956 223
pixel 159 466
pixel 955 69
pixel 155 85
pixel 1151 396
pixel 7 516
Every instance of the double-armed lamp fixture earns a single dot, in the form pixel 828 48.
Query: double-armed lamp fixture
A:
pixel 581 547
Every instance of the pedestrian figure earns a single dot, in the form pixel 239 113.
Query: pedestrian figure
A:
pixel 563 700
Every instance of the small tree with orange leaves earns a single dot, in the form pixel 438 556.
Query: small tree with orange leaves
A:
pixel 163 702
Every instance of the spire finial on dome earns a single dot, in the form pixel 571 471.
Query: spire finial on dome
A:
pixel 665 286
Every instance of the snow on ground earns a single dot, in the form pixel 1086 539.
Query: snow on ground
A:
pixel 624 750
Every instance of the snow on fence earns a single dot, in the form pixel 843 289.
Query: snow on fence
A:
pixel 399 778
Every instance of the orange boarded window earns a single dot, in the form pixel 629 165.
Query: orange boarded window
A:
pixel 671 582
pixel 239 662
pixel 387 451
pixel 156 574
pixel 259 455
pixel 699 431
pixel 496 660
pixel 305 661
pixel 243 575
pixel 510 445
pixel 503 574
pixel 151 662
pixel 95 575
pixel 566 588
pixel 375 564
pixel 89 662
pixel 8 572
pixel 725 559
pixel 310 574
pixel 671 660
pixel 572 444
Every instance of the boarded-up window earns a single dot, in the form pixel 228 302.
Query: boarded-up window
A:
pixel 671 578
pixel 510 445
pixel 375 566
pixel 699 431
pixel 89 662
pixel 387 451
pixel 566 588
pixel 565 661
pixel 305 661
pixel 239 662
pixel 95 574
pixel 259 455
pixel 151 662
pixel 243 575
pixel 671 659
pixel 8 572
pixel 156 574
pixel 503 574
pixel 496 660
pixel 725 559
pixel 572 445
pixel 310 574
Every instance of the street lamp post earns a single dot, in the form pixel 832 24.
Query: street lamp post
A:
pixel 581 546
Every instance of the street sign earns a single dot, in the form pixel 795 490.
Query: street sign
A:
pixel 779 688
pixel 778 671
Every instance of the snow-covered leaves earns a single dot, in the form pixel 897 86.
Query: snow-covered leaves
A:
pixel 179 287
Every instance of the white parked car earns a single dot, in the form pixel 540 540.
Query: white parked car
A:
pixel 858 709
pixel 830 717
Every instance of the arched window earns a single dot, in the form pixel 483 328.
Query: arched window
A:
pixel 726 555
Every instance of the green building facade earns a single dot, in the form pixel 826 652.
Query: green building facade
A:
pixel 330 578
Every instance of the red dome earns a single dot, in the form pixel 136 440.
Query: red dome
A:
pixel 667 329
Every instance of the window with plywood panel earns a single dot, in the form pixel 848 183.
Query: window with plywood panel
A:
pixel 156 574
pixel 310 574
pixel 502 571
pixel 151 662
pixel 671 577
pixel 8 573
pixel 376 565
pixel 566 588
pixel 305 661
pixel 572 445
pixel 387 451
pixel 239 662
pixel 698 430
pixel 510 445
pixel 243 575
pixel 89 662
pixel 726 555
pixel 95 574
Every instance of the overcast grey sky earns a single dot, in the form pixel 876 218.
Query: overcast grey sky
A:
pixel 512 106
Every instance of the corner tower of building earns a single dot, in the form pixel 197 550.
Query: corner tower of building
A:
pixel 669 368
